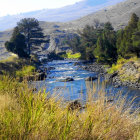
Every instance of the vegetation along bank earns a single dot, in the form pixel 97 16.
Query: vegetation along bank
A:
pixel 118 51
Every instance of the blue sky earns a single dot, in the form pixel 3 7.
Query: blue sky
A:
pixel 10 7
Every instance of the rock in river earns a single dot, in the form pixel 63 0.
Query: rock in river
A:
pixel 69 79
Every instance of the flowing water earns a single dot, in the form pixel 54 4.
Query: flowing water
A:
pixel 78 88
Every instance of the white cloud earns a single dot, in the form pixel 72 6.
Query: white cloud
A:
pixel 17 6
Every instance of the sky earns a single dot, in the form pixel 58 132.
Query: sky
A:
pixel 11 7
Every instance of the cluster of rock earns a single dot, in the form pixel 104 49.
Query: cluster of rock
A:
pixel 128 75
pixel 95 67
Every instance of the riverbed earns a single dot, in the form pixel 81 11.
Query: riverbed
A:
pixel 59 70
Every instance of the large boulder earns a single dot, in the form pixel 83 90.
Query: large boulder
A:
pixel 69 79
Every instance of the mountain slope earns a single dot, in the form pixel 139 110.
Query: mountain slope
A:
pixel 118 15
pixel 67 13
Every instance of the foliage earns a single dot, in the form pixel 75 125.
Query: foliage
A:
pixel 74 43
pixel 105 50
pixel 25 115
pixel 17 44
pixel 89 37
pixel 25 71
pixel 107 45
pixel 128 40
pixel 30 28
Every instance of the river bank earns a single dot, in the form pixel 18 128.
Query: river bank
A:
pixel 22 69
pixel 128 74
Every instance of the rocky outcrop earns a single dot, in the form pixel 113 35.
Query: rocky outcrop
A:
pixel 58 41
pixel 128 75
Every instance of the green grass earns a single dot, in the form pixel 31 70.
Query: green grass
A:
pixel 120 63
pixel 9 59
pixel 18 67
pixel 70 55
pixel 25 115
pixel 25 71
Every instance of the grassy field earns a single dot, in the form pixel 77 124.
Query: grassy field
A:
pixel 26 115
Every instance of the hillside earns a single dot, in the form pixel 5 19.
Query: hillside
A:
pixel 118 15
pixel 64 14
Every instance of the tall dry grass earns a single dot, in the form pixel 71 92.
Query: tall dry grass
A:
pixel 28 115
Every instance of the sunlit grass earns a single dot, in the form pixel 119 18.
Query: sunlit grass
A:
pixel 9 59
pixel 25 71
pixel 120 63
pixel 71 55
pixel 28 115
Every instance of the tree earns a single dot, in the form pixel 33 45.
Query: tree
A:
pixel 74 43
pixel 105 50
pixel 108 26
pixel 17 44
pixel 136 41
pixel 128 39
pixel 133 23
pixel 34 36
pixel 89 37
pixel 120 43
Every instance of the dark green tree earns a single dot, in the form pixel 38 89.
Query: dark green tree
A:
pixel 17 44
pixel 127 39
pixel 108 26
pixel 136 41
pixel 74 44
pixel 120 43
pixel 133 23
pixel 105 50
pixel 89 37
pixel 30 28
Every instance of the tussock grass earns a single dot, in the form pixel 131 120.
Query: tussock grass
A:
pixel 28 115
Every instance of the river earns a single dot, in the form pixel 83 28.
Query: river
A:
pixel 77 89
